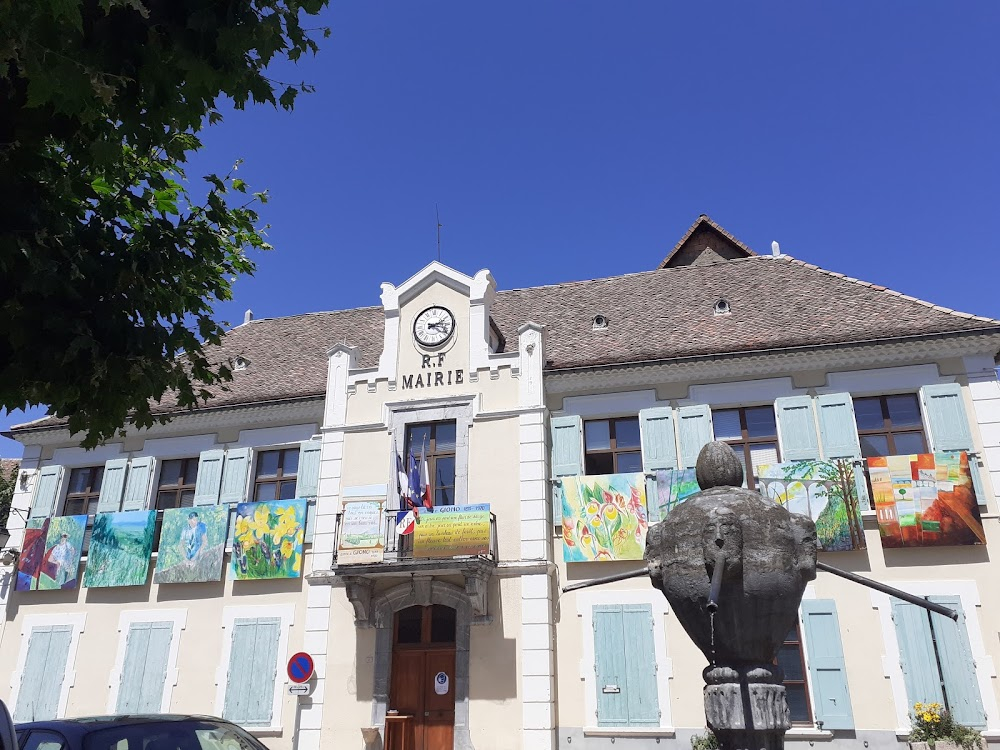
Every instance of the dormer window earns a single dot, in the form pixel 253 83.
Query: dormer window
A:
pixel 600 322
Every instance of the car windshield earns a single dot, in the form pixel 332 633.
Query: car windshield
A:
pixel 193 734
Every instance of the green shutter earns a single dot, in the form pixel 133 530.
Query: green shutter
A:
pixel 694 430
pixel 252 671
pixel 46 491
pixel 112 486
pixel 948 427
pixel 837 426
pixel 640 666
pixel 567 456
pixel 147 648
pixel 958 668
pixel 206 488
pixel 796 428
pixel 44 672
pixel 609 666
pixel 234 476
pixel 831 695
pixel 307 481
pixel 140 474
pixel 916 654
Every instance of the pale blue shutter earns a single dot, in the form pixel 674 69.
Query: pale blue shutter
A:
pixel 694 430
pixel 46 491
pixel 948 426
pixel 796 428
pixel 130 686
pixel 147 647
pixel 640 666
pixel 112 486
pixel 307 480
pixel 240 670
pixel 958 668
pixel 234 476
pixel 44 672
pixel 831 696
pixel 916 654
pixel 252 671
pixel 567 456
pixel 659 449
pixel 206 488
pixel 837 426
pixel 140 474
pixel 609 666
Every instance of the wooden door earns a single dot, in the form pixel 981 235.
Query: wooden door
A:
pixel 439 700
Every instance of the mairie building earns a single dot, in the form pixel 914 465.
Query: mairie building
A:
pixel 401 492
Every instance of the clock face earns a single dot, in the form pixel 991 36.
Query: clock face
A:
pixel 434 326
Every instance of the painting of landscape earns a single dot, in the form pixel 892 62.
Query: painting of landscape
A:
pixel 674 486
pixel 823 490
pixel 604 517
pixel 120 549
pixel 29 562
pixel 268 541
pixel 192 543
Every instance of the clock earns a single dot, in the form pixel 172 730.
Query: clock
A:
pixel 434 326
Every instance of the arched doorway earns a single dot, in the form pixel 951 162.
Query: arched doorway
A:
pixel 422 683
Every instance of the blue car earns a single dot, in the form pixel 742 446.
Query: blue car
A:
pixel 153 732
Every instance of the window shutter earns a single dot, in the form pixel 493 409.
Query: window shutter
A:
pixel 694 430
pixel 140 474
pixel 112 486
pixel 206 488
pixel 46 491
pixel 130 685
pixel 609 666
pixel 567 456
pixel 796 428
pixel 948 426
pixel 234 476
pixel 155 674
pixel 260 695
pixel 44 672
pixel 958 668
pixel 307 481
pixel 147 647
pixel 831 696
pixel 659 447
pixel 837 426
pixel 240 673
pixel 640 666
pixel 916 654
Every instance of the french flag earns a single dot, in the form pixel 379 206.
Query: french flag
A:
pixel 424 484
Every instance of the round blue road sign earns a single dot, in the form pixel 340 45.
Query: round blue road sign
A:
pixel 300 667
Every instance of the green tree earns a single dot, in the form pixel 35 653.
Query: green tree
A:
pixel 9 471
pixel 110 261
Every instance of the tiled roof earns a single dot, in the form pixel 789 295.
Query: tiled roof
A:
pixel 702 222
pixel 655 315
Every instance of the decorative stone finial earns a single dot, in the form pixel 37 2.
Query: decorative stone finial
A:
pixel 718 466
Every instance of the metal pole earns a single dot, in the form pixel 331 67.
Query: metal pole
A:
pixel 891 591
pixel 606 579
pixel 713 594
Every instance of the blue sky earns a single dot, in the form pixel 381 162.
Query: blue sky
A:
pixel 568 140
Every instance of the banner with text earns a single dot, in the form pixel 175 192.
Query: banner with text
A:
pixel 453 530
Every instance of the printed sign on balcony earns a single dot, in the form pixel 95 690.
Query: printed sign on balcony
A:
pixel 453 530
pixel 362 539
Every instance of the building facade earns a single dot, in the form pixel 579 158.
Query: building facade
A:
pixel 538 433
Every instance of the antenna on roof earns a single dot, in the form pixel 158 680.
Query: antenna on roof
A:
pixel 437 216
pixel 775 249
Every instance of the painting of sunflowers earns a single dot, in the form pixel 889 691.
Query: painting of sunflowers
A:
pixel 604 517
pixel 268 540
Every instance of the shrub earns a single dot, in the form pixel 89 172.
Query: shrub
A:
pixel 931 722
pixel 706 741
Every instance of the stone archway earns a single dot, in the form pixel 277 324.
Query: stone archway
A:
pixel 423 592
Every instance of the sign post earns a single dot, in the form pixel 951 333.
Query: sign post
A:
pixel 300 668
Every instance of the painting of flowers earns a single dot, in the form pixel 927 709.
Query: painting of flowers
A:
pixel 120 548
pixel 604 517
pixel 192 542
pixel 268 540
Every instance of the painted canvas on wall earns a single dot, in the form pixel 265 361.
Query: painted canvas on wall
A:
pixel 120 549
pixel 63 547
pixel 361 532
pixel 29 562
pixel 925 500
pixel 192 543
pixel 604 517
pixel 823 490
pixel 674 486
pixel 268 540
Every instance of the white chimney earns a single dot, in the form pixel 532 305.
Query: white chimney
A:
pixel 247 316
pixel 775 249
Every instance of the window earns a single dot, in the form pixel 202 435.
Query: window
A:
pixel 425 625
pixel 84 491
pixel 276 474
pixel 792 663
pixel 612 446
pixel 41 739
pixel 436 442
pixel 252 669
pixel 753 434
pixel 890 425
pixel 177 480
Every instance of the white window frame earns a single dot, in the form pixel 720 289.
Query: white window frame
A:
pixel 77 620
pixel 229 616
pixel 585 603
pixel 968 592
pixel 178 619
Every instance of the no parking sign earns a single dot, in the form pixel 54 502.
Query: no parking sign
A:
pixel 300 667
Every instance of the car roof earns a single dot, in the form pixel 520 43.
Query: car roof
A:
pixel 84 724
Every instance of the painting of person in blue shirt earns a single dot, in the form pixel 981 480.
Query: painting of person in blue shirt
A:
pixel 194 538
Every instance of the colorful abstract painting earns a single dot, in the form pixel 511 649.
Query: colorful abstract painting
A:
pixel 192 543
pixel 268 541
pixel 63 546
pixel 120 549
pixel 29 562
pixel 604 517
pixel 823 490
pixel 925 500
pixel 674 486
